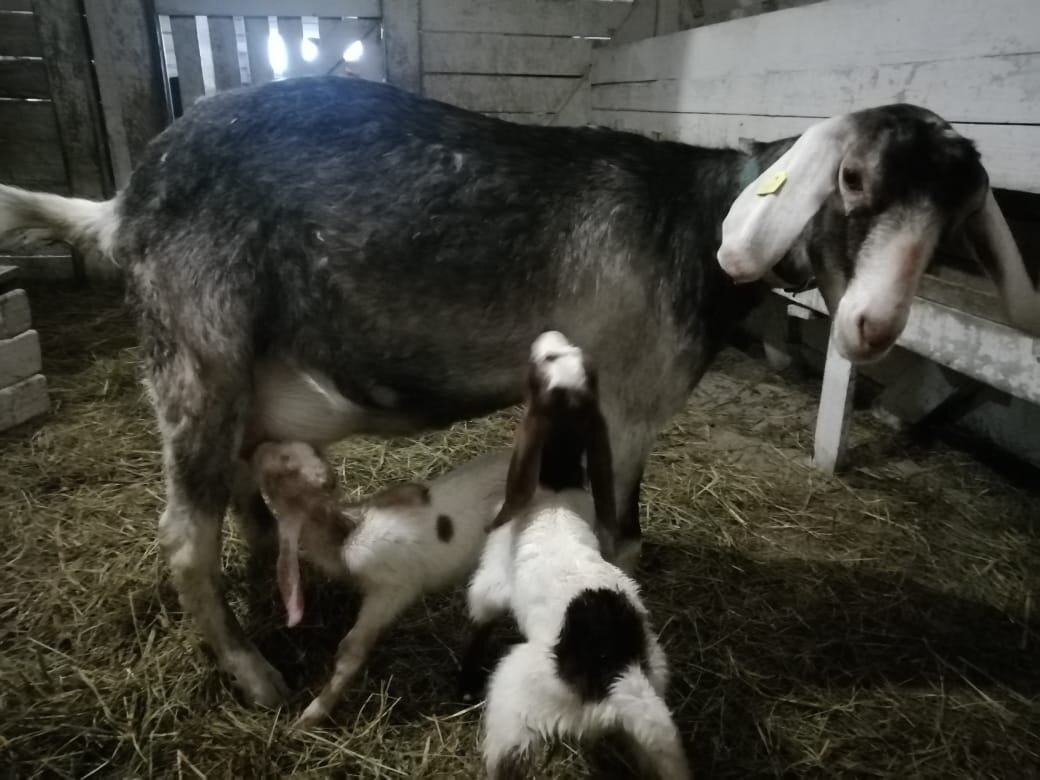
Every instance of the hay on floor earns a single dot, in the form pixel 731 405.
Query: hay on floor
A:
pixel 880 624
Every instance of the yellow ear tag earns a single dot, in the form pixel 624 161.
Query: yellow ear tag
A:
pixel 772 185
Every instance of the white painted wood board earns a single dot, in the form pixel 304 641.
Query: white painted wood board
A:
pixel 1011 153
pixel 832 35
pixel 835 413
pixel 19 357
pixel 22 401
pixel 15 316
pixel 995 354
pixel 500 93
pixel 522 55
pixel 979 90
pixel 531 17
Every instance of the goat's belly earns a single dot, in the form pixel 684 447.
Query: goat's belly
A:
pixel 293 403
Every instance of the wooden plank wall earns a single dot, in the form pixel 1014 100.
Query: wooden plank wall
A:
pixel 522 60
pixel 975 62
pixel 50 131
pixel 212 45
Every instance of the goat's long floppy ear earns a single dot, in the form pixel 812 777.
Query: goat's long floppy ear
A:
pixel 524 466
pixel 771 212
pixel 990 238
pixel 601 473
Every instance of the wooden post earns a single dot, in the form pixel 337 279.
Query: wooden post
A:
pixel 60 26
pixel 63 38
pixel 832 420
pixel 131 78
pixel 403 59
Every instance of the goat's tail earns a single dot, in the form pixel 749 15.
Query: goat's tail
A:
pixel 644 716
pixel 88 226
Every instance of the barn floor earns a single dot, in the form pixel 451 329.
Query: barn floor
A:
pixel 881 624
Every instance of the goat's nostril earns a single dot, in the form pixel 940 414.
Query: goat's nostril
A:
pixel 873 333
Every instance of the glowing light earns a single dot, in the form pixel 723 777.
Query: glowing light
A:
pixel 277 54
pixel 309 49
pixel 353 52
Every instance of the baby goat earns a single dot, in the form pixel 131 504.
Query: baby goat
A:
pixel 408 540
pixel 590 662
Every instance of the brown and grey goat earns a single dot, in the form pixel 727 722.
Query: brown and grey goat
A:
pixel 411 251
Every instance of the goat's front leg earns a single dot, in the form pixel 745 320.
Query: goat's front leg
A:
pixel 378 610
pixel 630 443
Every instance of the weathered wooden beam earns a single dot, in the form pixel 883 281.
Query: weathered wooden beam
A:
pixel 362 8
pixel 63 35
pixel 834 416
pixel 403 52
pixel 131 77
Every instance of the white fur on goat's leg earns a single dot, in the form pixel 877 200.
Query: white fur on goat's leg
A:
pixel 378 610
pixel 657 666
pixel 643 715
pixel 520 708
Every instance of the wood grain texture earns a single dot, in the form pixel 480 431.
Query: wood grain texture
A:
pixel 128 62
pixel 500 93
pixel 531 17
pixel 30 145
pixel 403 55
pixel 224 46
pixel 24 79
pixel 257 33
pixel 817 38
pixel 362 8
pixel 1011 153
pixel 189 61
pixel 18 36
pixel 74 96
pixel 981 89
pixel 525 55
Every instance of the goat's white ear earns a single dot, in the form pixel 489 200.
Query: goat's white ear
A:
pixel 772 211
pixel 994 246
pixel 524 466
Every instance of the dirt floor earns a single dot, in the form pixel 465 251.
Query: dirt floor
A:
pixel 877 625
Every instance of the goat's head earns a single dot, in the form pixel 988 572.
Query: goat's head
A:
pixel 860 202
pixel 298 487
pixel 563 421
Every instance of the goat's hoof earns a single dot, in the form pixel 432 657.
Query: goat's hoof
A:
pixel 314 715
pixel 259 681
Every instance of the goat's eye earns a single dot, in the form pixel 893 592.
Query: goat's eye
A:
pixel 852 179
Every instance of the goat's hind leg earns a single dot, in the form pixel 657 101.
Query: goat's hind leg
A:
pixel 378 610
pixel 201 413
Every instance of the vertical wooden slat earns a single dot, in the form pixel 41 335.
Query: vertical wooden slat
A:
pixel 832 419
pixel 124 36
pixel 225 52
pixel 291 30
pixel 257 33
pixel 189 61
pixel 401 31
